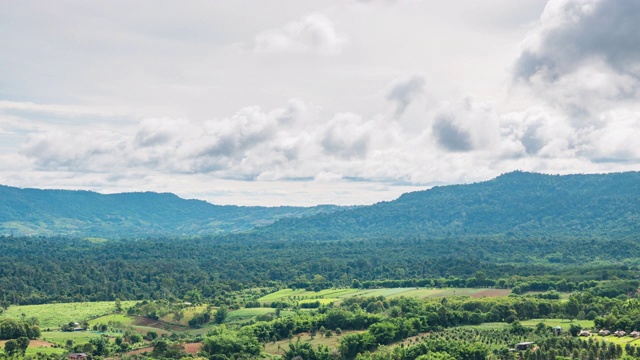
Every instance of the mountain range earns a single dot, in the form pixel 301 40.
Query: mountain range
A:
pixel 144 214
pixel 514 204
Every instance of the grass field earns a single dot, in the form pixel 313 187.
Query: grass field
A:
pixel 188 314
pixel 278 347
pixel 38 346
pixel 51 316
pixel 60 337
pixel 242 315
pixel 564 323
pixel 336 295
pixel 113 319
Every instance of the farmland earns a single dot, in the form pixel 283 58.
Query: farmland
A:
pixel 336 295
pixel 51 316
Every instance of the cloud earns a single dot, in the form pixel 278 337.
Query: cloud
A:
pixel 313 33
pixel 583 55
pixel 404 92
pixel 466 125
pixel 450 136
pixel 346 137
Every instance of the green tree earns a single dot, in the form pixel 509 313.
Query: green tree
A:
pixel 221 314
pixel 23 344
pixel 11 347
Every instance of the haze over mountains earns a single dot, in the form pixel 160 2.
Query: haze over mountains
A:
pixel 86 213
pixel 513 204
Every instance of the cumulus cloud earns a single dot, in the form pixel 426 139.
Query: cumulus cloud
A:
pixel 404 92
pixel 314 33
pixel 347 137
pixel 298 141
pixel 465 126
pixel 583 55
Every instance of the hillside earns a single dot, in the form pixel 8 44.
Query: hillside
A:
pixel 86 213
pixel 514 204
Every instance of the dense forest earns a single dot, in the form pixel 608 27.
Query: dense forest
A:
pixel 517 204
pixel 562 246
pixel 37 270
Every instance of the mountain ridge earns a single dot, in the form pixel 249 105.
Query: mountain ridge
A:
pixel 518 203
pixel 87 213
pixel 512 204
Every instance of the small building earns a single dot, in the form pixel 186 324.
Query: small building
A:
pixel 620 333
pixel 584 333
pixel 604 332
pixel 557 330
pixel 77 356
pixel 635 334
pixel 524 345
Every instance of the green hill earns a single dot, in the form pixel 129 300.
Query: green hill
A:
pixel 86 213
pixel 514 204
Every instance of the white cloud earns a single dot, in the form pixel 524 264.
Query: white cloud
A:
pixel 313 33
pixel 405 92
pixel 164 100
pixel 582 56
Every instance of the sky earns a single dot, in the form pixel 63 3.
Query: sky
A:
pixel 301 102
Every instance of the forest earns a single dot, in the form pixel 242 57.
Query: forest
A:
pixel 456 272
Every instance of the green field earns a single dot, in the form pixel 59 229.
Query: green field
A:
pixel 36 347
pixel 242 315
pixel 335 295
pixel 188 312
pixel 113 319
pixel 51 316
pixel 564 323
pixel 278 347
pixel 60 337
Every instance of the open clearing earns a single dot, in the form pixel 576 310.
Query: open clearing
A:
pixel 60 337
pixel 278 347
pixel 564 323
pixel 336 295
pixel 51 316
pixel 242 315
pixel 38 346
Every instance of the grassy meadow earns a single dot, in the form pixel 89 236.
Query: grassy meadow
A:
pixel 51 316
pixel 336 295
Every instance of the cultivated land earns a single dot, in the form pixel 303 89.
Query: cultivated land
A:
pixel 52 316
pixel 101 313
pixel 336 295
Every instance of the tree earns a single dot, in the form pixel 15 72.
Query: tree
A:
pixel 23 344
pixel 178 315
pixel 221 314
pixel 11 347
pixel 575 329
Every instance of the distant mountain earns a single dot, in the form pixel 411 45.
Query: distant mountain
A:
pixel 514 204
pixel 86 213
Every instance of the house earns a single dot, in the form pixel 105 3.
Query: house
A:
pixel 620 333
pixel 524 345
pixel 77 356
pixel 604 332
pixel 557 330
pixel 635 334
pixel 584 333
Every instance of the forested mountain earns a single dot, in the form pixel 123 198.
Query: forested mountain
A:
pixel 86 213
pixel 577 227
pixel 515 204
